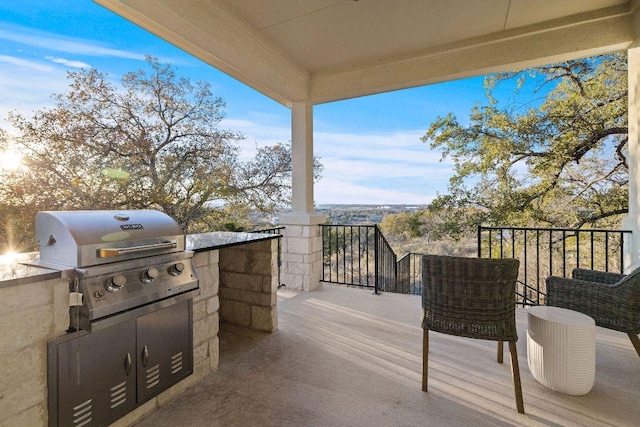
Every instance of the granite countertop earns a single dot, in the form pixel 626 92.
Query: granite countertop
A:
pixel 221 239
pixel 22 269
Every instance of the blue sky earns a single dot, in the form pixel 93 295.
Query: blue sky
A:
pixel 370 147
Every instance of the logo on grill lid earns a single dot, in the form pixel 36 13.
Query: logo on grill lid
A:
pixel 131 226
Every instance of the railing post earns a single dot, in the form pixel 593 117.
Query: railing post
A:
pixel 622 253
pixel 376 255
pixel 479 241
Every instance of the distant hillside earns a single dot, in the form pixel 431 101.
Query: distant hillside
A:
pixel 363 214
pixel 356 214
pixel 372 206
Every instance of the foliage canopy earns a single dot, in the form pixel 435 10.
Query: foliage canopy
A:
pixel 152 142
pixel 561 161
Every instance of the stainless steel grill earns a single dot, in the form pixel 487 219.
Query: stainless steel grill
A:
pixel 131 312
pixel 124 260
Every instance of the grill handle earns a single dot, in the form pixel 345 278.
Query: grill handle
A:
pixel 145 355
pixel 128 363
pixel 114 252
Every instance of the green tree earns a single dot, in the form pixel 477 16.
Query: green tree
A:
pixel 406 225
pixel 152 142
pixel 559 163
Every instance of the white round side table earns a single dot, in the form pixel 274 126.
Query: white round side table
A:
pixel 561 349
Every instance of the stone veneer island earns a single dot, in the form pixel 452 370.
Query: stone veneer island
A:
pixel 238 274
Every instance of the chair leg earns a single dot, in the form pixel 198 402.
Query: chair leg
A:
pixel 636 342
pixel 500 351
pixel 515 372
pixel 425 358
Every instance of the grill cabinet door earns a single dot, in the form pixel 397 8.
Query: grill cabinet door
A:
pixel 164 349
pixel 96 376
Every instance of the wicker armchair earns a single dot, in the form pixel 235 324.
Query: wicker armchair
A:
pixel 613 300
pixel 474 298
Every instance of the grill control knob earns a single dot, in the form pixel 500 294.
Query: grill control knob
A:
pixel 176 269
pixel 149 275
pixel 116 283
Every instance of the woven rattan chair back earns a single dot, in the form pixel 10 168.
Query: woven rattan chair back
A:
pixel 470 297
pixel 474 298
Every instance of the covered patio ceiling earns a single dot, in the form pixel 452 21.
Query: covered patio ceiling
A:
pixel 318 51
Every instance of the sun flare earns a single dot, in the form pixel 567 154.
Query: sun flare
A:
pixel 8 258
pixel 10 160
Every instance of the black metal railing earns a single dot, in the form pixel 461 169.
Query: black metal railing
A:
pixel 346 263
pixel 358 255
pixel 272 230
pixel 547 252
pixel 409 278
pixel 386 264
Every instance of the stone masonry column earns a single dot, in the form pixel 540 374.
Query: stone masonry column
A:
pixel 302 241
pixel 632 220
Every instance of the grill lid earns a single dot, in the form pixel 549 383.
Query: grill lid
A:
pixel 86 238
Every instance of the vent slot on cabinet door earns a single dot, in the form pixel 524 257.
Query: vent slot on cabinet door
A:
pixel 153 376
pixel 83 413
pixel 118 394
pixel 176 363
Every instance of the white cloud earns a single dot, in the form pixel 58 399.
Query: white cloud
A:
pixel 27 85
pixel 333 190
pixel 68 62
pixel 388 168
pixel 379 147
pixel 28 78
pixel 55 42
pixel 394 159
pixel 257 134
pixel 364 169
pixel 24 63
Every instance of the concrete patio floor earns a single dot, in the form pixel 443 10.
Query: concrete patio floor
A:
pixel 346 357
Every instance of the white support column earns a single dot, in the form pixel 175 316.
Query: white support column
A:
pixel 302 158
pixel 302 240
pixel 632 220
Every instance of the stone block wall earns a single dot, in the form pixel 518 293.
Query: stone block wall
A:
pixel 206 319
pixel 302 257
pixel 249 285
pixel 30 315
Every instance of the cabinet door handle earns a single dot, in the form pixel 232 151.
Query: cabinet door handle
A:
pixel 128 363
pixel 145 355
